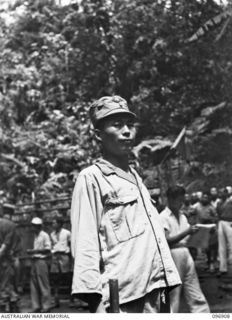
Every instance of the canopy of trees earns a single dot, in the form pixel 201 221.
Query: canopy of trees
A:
pixel 54 60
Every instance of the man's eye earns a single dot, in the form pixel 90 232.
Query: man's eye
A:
pixel 117 124
pixel 131 124
pixel 120 124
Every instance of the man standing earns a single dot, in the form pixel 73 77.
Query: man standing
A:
pixel 187 208
pixel 214 197
pixel 40 286
pixel 61 262
pixel 207 214
pixel 177 229
pixel 116 232
pixel 7 255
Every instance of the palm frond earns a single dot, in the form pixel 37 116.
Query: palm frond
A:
pixel 213 22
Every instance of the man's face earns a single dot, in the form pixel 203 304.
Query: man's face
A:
pixel 205 199
pixel 55 225
pixel 36 228
pixel 224 194
pixel 213 193
pixel 176 204
pixel 117 135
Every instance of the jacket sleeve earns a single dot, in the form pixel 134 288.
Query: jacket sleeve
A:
pixel 86 213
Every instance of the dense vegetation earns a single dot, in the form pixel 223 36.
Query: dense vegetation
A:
pixel 55 60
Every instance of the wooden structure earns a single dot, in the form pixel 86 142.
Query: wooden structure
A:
pixel 22 214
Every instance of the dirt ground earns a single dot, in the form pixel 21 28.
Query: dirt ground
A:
pixel 218 292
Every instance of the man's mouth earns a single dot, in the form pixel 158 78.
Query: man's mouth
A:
pixel 127 142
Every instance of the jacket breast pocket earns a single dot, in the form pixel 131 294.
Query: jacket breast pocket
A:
pixel 125 220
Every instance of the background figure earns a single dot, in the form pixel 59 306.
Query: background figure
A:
pixel 188 210
pixel 177 229
pixel 61 258
pixel 214 198
pixel 7 259
pixel 156 199
pixel 207 214
pixel 225 232
pixel 194 198
pixel 16 253
pixel 39 282
pixel 16 249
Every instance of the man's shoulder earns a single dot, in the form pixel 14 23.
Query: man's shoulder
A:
pixel 7 225
pixel 165 213
pixel 65 231
pixel 228 202
pixel 52 234
pixel 88 174
pixel 44 234
pixel 88 171
pixel 197 206
pixel 212 207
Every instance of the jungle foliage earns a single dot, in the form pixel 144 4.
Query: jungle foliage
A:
pixel 55 60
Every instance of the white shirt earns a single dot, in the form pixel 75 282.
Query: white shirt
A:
pixel 172 226
pixel 61 241
pixel 41 242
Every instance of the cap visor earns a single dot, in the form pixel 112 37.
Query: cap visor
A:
pixel 118 111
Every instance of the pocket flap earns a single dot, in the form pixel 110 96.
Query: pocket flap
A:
pixel 121 200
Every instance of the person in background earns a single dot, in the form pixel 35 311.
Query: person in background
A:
pixel 116 231
pixel 194 198
pixel 16 252
pixel 152 183
pixel 156 199
pixel 214 197
pixel 199 195
pixel 16 248
pixel 61 259
pixel 7 270
pixel 188 210
pixel 177 230
pixel 229 190
pixel 207 214
pixel 225 232
pixel 39 281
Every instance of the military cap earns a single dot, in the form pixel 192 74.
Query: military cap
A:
pixel 107 106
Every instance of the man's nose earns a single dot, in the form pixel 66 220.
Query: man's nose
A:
pixel 126 130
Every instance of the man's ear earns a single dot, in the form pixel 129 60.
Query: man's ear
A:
pixel 97 134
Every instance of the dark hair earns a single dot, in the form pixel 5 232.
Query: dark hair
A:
pixel 206 193
pixel 175 192
pixel 100 124
pixel 59 220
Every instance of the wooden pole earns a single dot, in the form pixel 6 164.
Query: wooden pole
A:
pixel 114 296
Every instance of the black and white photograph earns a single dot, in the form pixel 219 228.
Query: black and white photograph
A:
pixel 115 157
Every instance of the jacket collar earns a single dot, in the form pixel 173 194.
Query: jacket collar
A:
pixel 108 168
